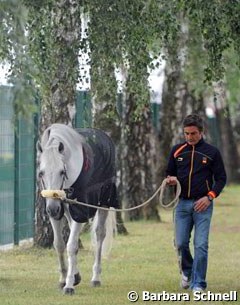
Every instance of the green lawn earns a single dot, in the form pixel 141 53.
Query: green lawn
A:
pixel 145 260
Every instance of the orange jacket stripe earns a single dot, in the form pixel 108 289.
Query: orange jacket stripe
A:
pixel 190 173
pixel 179 150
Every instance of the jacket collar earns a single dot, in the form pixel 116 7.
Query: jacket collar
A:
pixel 199 143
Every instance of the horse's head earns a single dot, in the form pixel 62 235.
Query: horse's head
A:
pixel 52 175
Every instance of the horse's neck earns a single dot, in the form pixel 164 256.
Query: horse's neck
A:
pixel 74 163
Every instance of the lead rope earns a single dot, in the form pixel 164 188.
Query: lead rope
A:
pixel 60 194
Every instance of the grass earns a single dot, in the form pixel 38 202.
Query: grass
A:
pixel 145 260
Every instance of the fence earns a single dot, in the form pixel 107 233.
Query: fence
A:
pixel 17 173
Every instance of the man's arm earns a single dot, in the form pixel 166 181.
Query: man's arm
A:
pixel 219 174
pixel 220 179
pixel 171 171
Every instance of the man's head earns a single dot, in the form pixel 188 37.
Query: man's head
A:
pixel 193 128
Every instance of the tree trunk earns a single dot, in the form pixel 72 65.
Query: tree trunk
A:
pixel 58 97
pixel 228 146
pixel 137 165
pixel 43 229
pixel 111 126
pixel 177 102
pixel 105 118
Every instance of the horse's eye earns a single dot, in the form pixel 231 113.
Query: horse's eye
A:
pixel 40 174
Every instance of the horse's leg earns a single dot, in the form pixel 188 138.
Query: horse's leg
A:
pixel 100 232
pixel 73 277
pixel 59 246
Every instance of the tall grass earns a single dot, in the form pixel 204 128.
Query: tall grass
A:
pixel 145 260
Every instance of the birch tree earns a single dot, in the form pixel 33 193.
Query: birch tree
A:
pixel 42 41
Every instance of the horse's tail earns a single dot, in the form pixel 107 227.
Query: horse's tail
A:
pixel 111 229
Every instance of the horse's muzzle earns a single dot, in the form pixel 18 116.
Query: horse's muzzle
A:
pixel 55 208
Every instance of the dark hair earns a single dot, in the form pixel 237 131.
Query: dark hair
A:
pixel 194 120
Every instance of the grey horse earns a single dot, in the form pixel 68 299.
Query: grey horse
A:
pixel 81 162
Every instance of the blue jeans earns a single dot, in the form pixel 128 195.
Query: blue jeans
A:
pixel 185 220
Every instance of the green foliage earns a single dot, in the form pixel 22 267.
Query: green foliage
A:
pixel 232 12
pixel 38 41
pixel 124 33
pixel 35 38
pixel 54 43
pixel 218 22
pixel 232 80
pixel 196 61
pixel 12 27
pixel 14 50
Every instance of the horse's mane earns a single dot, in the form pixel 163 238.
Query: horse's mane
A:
pixel 63 133
pixel 72 154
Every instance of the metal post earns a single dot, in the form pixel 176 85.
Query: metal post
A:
pixel 16 184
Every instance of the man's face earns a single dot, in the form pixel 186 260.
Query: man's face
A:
pixel 192 135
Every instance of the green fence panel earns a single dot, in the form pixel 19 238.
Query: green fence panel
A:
pixel 17 173
pixel 156 109
pixel 83 117
pixel 25 188
pixel 7 167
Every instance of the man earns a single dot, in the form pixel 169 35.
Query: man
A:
pixel 200 170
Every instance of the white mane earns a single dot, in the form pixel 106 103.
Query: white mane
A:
pixel 72 155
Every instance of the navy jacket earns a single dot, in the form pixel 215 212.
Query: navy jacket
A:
pixel 199 169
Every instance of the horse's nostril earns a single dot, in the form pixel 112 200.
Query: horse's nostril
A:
pixel 55 210
pixel 49 211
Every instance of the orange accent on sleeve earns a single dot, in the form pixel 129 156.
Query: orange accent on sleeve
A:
pixel 212 194
pixel 179 150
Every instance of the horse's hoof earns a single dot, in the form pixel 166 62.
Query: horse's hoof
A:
pixel 77 279
pixel 68 291
pixel 95 283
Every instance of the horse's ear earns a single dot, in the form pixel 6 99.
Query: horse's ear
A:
pixel 39 147
pixel 61 148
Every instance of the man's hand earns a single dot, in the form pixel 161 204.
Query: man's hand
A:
pixel 171 180
pixel 202 204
